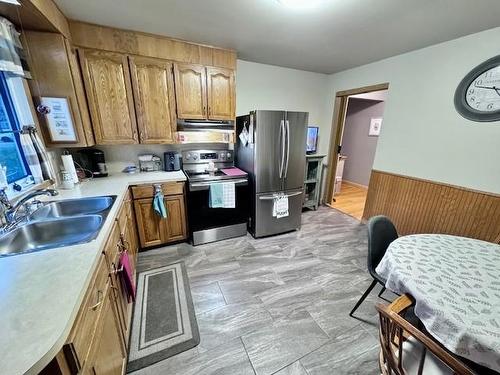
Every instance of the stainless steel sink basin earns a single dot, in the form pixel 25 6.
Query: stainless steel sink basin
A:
pixel 41 235
pixel 74 207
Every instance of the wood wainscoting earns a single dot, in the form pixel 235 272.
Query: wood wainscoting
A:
pixel 421 206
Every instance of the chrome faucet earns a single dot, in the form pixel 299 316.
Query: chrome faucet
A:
pixel 4 200
pixel 13 209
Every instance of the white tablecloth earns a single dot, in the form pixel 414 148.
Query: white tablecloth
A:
pixel 456 285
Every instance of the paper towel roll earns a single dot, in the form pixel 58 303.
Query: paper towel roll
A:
pixel 69 166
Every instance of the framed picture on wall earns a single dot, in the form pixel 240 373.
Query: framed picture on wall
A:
pixel 375 125
pixel 57 112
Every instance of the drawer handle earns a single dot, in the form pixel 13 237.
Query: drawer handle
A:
pixel 157 188
pixel 116 270
pixel 99 300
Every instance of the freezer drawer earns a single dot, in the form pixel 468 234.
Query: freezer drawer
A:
pixel 266 225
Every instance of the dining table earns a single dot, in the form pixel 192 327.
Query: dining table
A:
pixel 455 282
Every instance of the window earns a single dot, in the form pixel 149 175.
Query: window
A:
pixel 11 154
pixel 14 113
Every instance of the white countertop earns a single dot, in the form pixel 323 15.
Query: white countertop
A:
pixel 41 292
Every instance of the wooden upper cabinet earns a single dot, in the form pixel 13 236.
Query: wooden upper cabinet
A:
pixel 56 73
pixel 220 94
pixel 190 91
pixel 109 93
pixel 153 86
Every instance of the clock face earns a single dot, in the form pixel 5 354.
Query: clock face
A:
pixel 477 97
pixel 483 94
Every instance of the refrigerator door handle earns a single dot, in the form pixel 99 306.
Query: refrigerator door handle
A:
pixel 282 153
pixel 287 147
pixel 271 197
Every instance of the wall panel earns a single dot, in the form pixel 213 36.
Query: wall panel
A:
pixel 421 206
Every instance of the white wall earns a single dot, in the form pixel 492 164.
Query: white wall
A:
pixel 260 86
pixel 422 134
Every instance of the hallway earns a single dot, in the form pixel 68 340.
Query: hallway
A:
pixel 351 200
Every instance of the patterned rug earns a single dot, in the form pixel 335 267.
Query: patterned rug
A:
pixel 164 322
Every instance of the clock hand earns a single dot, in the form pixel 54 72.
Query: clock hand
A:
pixel 497 89
pixel 486 87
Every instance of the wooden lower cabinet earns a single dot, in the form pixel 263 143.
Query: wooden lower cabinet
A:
pixel 98 341
pixel 108 354
pixel 152 229
pixel 175 224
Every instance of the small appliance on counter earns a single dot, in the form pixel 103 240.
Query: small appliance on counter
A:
pixel 92 161
pixel 149 163
pixel 208 170
pixel 172 161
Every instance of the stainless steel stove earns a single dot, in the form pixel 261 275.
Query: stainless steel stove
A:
pixel 203 169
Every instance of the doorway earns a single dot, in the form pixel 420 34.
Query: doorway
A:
pixel 358 118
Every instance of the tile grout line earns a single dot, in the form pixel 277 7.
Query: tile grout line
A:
pixel 222 293
pixel 246 352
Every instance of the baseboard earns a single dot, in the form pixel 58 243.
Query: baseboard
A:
pixel 355 184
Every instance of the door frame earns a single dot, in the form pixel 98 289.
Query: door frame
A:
pixel 338 122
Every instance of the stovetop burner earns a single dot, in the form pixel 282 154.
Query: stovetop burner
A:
pixel 209 176
pixel 198 162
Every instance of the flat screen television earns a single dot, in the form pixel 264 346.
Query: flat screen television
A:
pixel 312 139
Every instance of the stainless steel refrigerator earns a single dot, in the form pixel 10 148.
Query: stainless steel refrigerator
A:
pixel 274 159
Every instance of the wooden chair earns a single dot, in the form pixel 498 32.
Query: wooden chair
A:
pixel 405 350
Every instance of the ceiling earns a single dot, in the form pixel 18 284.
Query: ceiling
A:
pixel 331 36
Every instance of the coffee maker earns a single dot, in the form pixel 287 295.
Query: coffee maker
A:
pixel 92 161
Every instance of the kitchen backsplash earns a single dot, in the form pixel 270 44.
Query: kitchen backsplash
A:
pixel 118 157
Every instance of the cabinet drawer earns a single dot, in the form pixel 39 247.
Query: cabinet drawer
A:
pixel 84 329
pixel 148 191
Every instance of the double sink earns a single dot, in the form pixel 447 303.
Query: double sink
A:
pixel 58 223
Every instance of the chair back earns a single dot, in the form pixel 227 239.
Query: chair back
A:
pixel 381 232
pixel 405 350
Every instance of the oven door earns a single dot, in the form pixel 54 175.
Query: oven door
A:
pixel 202 217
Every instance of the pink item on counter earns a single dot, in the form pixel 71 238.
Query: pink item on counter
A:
pixel 233 172
pixel 127 276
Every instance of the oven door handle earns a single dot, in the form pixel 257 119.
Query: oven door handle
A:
pixel 271 197
pixel 206 185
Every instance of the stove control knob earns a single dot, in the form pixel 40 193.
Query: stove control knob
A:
pixel 222 156
pixel 228 155
pixel 195 156
pixel 188 156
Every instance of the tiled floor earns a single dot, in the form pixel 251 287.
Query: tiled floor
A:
pixel 279 305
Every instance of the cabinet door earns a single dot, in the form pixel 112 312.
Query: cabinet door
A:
pixel 131 236
pixel 108 352
pixel 190 91
pixel 56 74
pixel 148 223
pixel 175 224
pixel 221 94
pixel 109 93
pixel 153 85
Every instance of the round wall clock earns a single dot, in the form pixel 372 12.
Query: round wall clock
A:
pixel 477 97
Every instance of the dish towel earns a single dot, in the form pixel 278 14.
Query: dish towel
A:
pixel 216 196
pixel 159 205
pixel 127 276
pixel 222 195
pixel 280 206
pixel 229 193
